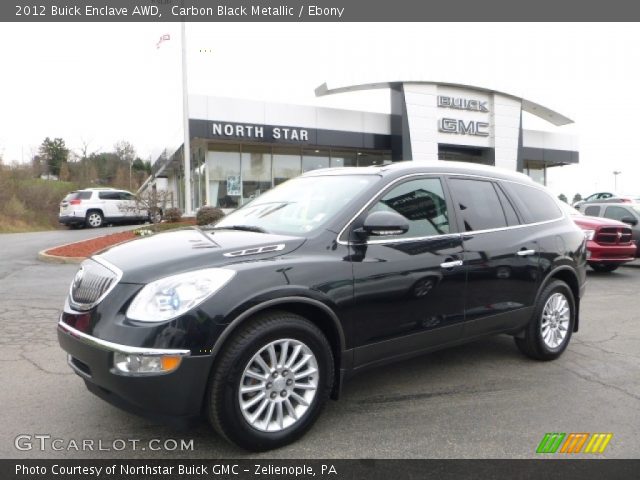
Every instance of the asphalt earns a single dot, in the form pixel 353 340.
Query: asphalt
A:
pixel 482 400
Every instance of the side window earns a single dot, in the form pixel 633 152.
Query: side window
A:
pixel 617 213
pixel 534 203
pixel 605 195
pixel 509 211
pixel 83 195
pixel 126 196
pixel 422 203
pixel 478 203
pixel 109 196
pixel 592 211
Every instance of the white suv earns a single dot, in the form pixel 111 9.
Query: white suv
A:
pixel 94 207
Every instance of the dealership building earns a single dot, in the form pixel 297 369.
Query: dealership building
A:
pixel 242 148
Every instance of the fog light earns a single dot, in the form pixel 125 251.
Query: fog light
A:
pixel 145 364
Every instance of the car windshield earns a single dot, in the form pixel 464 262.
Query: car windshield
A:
pixel 299 205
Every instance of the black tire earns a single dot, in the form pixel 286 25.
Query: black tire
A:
pixel 604 267
pixel 223 406
pixel 532 343
pixel 94 219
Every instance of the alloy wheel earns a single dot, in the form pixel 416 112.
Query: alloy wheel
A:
pixel 555 320
pixel 278 385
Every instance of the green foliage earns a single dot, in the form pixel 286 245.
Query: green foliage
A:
pixel 562 197
pixel 53 154
pixel 208 215
pixel 173 215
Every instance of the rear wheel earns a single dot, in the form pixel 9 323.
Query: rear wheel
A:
pixel 94 219
pixel 271 381
pixel 550 328
pixel 604 267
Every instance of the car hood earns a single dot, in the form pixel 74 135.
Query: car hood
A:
pixel 587 222
pixel 148 259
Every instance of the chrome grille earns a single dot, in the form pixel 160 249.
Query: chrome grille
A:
pixel 92 283
pixel 613 235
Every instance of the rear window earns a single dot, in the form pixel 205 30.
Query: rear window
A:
pixel 78 195
pixel 592 211
pixel 478 203
pixel 534 204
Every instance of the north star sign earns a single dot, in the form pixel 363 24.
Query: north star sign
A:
pixel 236 130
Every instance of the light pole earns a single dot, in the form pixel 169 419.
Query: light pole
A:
pixel 615 180
pixel 185 118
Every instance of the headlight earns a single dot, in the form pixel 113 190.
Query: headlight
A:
pixel 170 297
pixel 141 364
pixel 589 234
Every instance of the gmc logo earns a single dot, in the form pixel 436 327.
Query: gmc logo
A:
pixel 460 127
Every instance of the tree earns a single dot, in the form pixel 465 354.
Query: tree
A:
pixel 64 172
pixel 577 198
pixel 54 153
pixel 562 197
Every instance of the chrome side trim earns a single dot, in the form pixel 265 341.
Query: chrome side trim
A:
pixel 109 266
pixel 115 347
pixel 445 235
pixel 255 251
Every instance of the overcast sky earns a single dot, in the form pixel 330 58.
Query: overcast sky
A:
pixel 100 83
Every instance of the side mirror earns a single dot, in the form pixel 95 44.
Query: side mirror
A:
pixel 629 220
pixel 380 224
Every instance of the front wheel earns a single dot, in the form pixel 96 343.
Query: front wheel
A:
pixel 549 331
pixel 271 381
pixel 604 267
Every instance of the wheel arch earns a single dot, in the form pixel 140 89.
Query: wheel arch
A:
pixel 321 315
pixel 568 276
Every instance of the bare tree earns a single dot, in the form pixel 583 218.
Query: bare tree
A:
pixel 152 201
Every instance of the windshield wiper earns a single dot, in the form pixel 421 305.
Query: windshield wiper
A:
pixel 244 228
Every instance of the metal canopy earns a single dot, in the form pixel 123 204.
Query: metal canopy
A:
pixel 527 105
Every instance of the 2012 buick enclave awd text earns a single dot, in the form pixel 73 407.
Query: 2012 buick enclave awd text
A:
pixel 258 320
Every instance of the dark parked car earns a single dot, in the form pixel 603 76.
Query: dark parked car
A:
pixel 256 322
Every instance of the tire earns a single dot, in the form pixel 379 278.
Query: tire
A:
pixel 604 267
pixel 94 219
pixel 534 343
pixel 238 357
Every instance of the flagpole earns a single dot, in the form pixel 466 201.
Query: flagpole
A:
pixel 185 120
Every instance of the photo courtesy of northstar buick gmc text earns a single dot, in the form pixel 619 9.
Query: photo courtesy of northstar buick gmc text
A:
pixel 256 321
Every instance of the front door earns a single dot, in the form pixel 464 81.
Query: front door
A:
pixel 408 288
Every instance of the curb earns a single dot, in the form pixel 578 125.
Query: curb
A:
pixel 45 257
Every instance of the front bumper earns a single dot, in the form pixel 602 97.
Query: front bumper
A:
pixel 177 395
pixel 597 253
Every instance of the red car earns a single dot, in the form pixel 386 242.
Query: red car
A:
pixel 609 242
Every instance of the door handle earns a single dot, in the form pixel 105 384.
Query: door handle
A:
pixel 526 253
pixel 454 263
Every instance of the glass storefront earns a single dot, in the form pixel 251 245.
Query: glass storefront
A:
pixel 234 174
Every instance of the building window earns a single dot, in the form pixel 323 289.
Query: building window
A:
pixel 537 171
pixel 225 187
pixel 256 171
pixel 314 159
pixel 286 164
pixel 344 158
pixel 367 159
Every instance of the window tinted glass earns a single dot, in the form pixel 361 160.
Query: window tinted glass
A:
pixel 509 211
pixel 592 211
pixel 127 196
pixel 78 195
pixel 109 195
pixel 617 213
pixel 478 203
pixel 535 204
pixel 422 203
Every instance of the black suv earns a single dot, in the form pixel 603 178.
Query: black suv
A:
pixel 256 321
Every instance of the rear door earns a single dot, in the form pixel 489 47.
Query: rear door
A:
pixel 109 201
pixel 501 256
pixel 408 288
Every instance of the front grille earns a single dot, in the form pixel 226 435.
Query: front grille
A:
pixel 91 284
pixel 613 236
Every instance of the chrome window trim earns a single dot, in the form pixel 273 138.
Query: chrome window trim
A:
pixel 444 235
pixel 116 347
pixel 108 266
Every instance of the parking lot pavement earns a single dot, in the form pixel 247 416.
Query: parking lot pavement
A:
pixel 474 401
